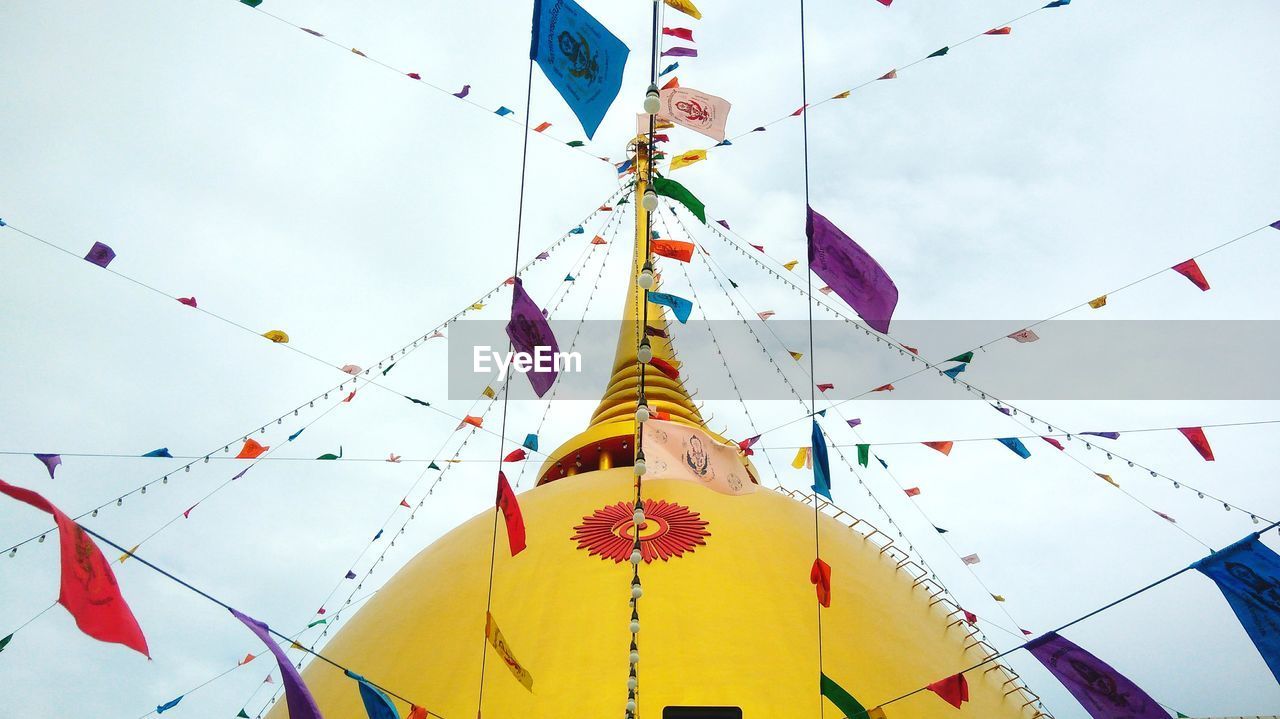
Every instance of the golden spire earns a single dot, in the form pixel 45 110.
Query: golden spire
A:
pixel 608 439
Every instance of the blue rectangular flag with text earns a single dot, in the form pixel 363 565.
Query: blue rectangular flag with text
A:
pixel 1248 573
pixel 581 58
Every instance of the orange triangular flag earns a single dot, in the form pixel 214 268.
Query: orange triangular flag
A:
pixel 247 658
pixel 672 83
pixel 542 127
pixel 891 75
pixel 473 421
pixel 943 447
pixel 251 450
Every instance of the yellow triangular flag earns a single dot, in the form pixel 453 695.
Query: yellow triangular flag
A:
pixel 791 265
pixel 295 645
pixel 686 7
pixel 129 553
pixel 998 597
pixel 802 459
pixel 276 336
pixel 796 356
pixel 478 306
pixel 1098 302
pixel 877 713
pixel 842 95
pixel 1108 479
pixel 488 392
pixel 685 159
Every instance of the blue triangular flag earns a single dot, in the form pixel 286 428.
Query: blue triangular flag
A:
pixel 1057 3
pixel 679 305
pixel 669 68
pixel 955 370
pixel 882 462
pixel 821 466
pixel 568 278
pixel 376 704
pixel 623 167
pixel 577 230
pixel 295 434
pixel 168 705
pixel 581 58
pixel 503 111
pixel 162 452
pixel 531 442
pixel 1016 446
pixel 377 536
pixel 722 143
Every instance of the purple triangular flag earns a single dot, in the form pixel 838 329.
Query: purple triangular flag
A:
pixel 350 575
pixel 530 333
pixel 723 223
pixel 100 254
pixel 543 255
pixel 1276 224
pixel 1104 435
pixel 853 274
pixel 301 704
pixel 680 52
pixel 1104 692
pixel 466 90
pixel 854 422
pixel 51 462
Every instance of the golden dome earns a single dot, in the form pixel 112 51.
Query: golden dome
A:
pixel 730 623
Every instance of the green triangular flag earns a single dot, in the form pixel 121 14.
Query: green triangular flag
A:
pixel 1181 715
pixel 843 700
pixel 388 369
pixel 623 201
pixel 677 192
pixel 5 642
pixel 252 3
pixel 966 357
pixel 434 466
pixel 242 715
pixel 735 284
pixel 331 455
pixel 939 53
pixel 318 621
pixel 864 454
pixel 575 143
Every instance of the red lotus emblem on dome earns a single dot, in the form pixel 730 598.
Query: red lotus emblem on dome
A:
pixel 668 530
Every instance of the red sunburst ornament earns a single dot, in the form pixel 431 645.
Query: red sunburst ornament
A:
pixel 668 530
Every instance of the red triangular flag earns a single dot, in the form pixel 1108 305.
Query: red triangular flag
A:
pixel 1191 271
pixel 188 301
pixel 797 112
pixel 251 450
pixel 683 33
pixel 912 491
pixel 758 247
pixel 405 503
pixel 414 75
pixel 511 513
pixel 1196 437
pixel 187 514
pixel 89 590
pixel 672 83
pixel 999 31
pixel 1053 442
pixel 954 690
pixel 891 75
pixel 943 447
pixel 884 388
pixel 417 712
pixel 665 367
pixel 675 249
pixel 969 616
pixel 350 396
pixel 515 455
pixel 825 386
pixel 820 575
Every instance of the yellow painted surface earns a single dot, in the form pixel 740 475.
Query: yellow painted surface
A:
pixel 732 623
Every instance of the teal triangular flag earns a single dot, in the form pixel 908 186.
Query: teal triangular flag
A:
pixel 939 53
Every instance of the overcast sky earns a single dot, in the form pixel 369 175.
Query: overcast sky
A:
pixel 289 184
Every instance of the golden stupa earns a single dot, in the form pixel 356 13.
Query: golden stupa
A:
pixel 731 622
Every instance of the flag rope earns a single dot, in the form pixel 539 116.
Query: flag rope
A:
pixel 1071 623
pixel 712 268
pixel 400 353
pixel 968 387
pixel 506 396
pixel 724 362
pixel 228 607
pixel 583 259
pixel 507 117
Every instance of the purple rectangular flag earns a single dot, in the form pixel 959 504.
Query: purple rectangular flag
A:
pixel 853 274
pixel 301 703
pixel 1101 690
pixel 530 333
pixel 679 52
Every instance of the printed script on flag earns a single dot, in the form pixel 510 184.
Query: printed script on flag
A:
pixel 677 451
